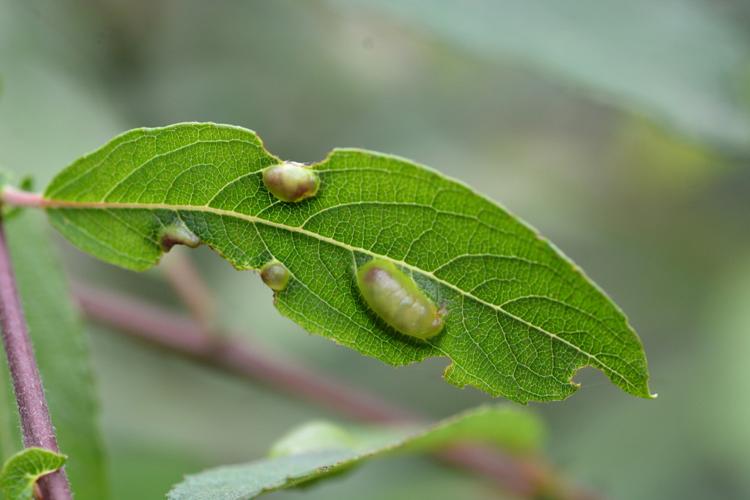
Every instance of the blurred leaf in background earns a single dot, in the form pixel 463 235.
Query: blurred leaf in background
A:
pixel 319 449
pixel 726 347
pixel 683 62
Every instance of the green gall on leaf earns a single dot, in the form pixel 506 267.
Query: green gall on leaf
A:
pixel 398 301
pixel 291 181
pixel 275 275
pixel 177 233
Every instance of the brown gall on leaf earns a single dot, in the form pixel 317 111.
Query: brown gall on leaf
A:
pixel 398 301
pixel 177 233
pixel 275 275
pixel 291 181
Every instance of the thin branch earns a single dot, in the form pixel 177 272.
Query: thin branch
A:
pixel 27 383
pixel 181 335
pixel 180 272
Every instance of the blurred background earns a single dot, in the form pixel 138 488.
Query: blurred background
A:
pixel 621 130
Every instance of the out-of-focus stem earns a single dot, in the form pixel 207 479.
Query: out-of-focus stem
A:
pixel 181 274
pixel 27 383
pixel 180 334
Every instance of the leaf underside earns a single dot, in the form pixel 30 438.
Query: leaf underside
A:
pixel 324 449
pixel 521 318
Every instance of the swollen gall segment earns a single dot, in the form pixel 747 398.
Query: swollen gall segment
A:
pixel 398 301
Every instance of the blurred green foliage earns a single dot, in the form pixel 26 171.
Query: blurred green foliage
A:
pixel 319 450
pixel 658 218
pixel 682 62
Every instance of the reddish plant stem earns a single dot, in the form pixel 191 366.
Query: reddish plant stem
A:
pixel 186 281
pixel 181 335
pixel 27 383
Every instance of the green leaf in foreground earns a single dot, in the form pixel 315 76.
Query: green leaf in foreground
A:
pixel 62 355
pixel 521 318
pixel 320 449
pixel 23 469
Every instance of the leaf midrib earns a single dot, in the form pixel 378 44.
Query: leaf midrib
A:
pixel 61 204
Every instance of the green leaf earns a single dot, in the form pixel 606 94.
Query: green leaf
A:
pixel 23 469
pixel 521 318
pixel 62 355
pixel 622 52
pixel 320 449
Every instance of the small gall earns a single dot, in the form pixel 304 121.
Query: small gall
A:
pixel 291 181
pixel 275 275
pixel 177 233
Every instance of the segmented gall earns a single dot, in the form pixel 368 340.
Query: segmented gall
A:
pixel 398 301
